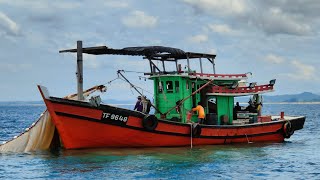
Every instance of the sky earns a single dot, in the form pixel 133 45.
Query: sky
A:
pixel 274 39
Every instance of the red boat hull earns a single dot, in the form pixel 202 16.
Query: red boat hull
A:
pixel 80 125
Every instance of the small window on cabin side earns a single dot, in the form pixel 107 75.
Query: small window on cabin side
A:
pixel 177 86
pixel 160 87
pixel 187 85
pixel 169 86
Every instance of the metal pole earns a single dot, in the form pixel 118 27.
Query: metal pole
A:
pixel 214 66
pixel 188 63
pixel 201 65
pixel 151 69
pixel 163 66
pixel 176 61
pixel 79 71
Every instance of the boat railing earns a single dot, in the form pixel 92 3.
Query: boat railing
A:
pixel 219 75
pixel 241 90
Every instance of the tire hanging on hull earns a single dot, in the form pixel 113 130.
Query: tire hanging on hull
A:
pixel 150 122
pixel 287 130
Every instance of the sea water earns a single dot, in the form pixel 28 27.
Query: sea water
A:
pixel 296 158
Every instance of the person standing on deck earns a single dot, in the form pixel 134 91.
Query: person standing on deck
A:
pixel 259 107
pixel 201 113
pixel 146 105
pixel 138 106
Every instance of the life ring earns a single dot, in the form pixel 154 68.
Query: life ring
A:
pixel 287 130
pixel 150 122
pixel 196 130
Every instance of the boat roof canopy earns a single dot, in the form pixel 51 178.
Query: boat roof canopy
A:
pixel 150 52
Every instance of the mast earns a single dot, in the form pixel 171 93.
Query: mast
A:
pixel 79 72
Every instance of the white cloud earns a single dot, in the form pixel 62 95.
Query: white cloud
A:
pixel 221 28
pixel 139 19
pixel 225 7
pixel 8 26
pixel 43 5
pixel 213 51
pixel 275 21
pixel 200 38
pixel 271 58
pixel 302 71
pixel 270 17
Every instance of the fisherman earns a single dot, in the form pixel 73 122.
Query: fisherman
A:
pixel 251 108
pixel 259 108
pixel 237 107
pixel 201 114
pixel 138 106
pixel 146 105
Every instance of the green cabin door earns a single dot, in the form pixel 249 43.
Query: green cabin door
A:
pixel 225 107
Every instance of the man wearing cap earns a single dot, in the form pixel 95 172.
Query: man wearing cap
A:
pixel 138 106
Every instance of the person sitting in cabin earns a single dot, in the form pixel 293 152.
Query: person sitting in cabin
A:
pixel 251 108
pixel 138 106
pixel 237 107
pixel 201 113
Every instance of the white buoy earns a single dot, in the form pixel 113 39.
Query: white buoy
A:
pixel 41 114
pixel 15 137
pixel 33 124
pixel 4 142
pixel 27 129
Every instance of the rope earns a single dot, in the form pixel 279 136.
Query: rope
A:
pixel 249 142
pixel 138 87
pixel 132 71
pixel 191 129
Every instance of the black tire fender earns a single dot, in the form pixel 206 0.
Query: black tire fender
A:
pixel 150 122
pixel 287 130
pixel 196 130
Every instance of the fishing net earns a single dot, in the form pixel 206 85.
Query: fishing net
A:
pixel 40 134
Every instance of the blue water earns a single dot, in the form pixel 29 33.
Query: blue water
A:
pixel 297 158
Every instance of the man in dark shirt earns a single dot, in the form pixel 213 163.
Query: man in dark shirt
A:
pixel 251 108
pixel 237 107
pixel 138 106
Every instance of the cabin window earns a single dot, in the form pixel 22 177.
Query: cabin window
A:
pixel 177 86
pixel 187 85
pixel 169 86
pixel 160 87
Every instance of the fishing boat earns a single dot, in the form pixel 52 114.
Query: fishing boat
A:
pixel 91 124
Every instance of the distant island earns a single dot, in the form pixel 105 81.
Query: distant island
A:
pixel 287 98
